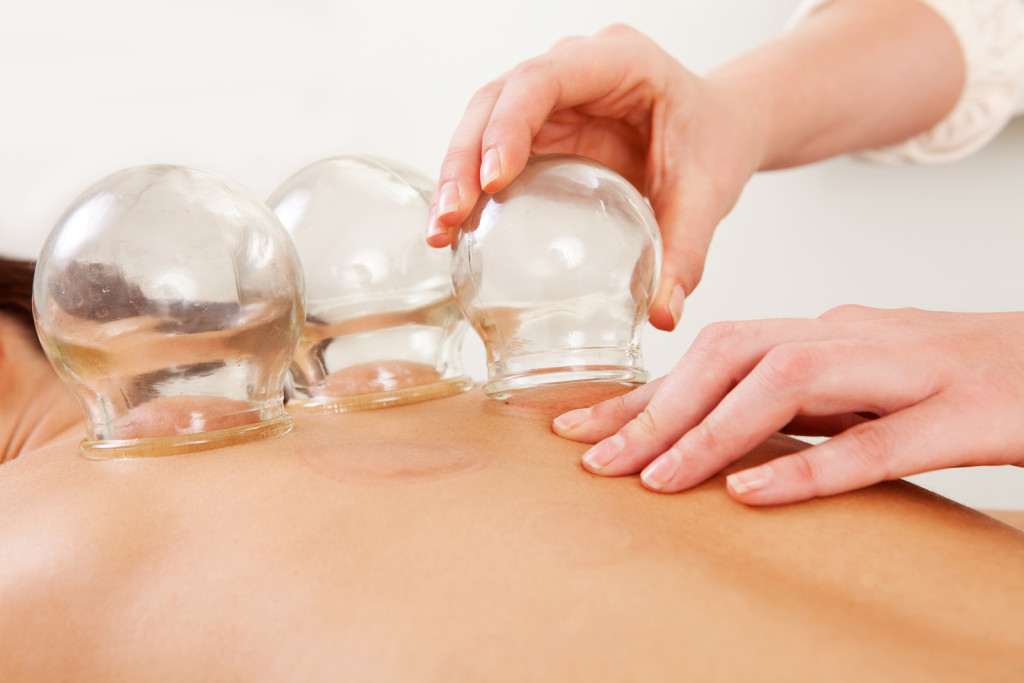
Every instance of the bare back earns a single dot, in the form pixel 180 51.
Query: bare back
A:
pixel 459 539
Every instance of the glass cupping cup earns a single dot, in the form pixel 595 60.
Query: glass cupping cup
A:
pixel 171 301
pixel 382 327
pixel 556 273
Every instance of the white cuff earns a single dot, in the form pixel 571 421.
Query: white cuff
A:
pixel 991 35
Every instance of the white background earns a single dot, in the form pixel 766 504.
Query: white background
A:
pixel 256 89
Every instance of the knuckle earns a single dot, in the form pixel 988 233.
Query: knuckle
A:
pixel 645 425
pixel 873 447
pixel 715 336
pixel 844 312
pixel 532 69
pixel 651 429
pixel 618 29
pixel 613 408
pixel 681 262
pixel 458 158
pixel 489 91
pixel 807 471
pixel 910 312
pixel 788 366
pixel 486 96
pixel 710 435
pixel 565 41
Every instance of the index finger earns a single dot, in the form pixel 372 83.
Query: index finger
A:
pixel 458 185
pixel 492 142
pixel 595 76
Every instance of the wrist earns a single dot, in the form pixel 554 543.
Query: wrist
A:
pixel 751 97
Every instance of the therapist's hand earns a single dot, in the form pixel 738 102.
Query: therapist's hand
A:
pixel 902 392
pixel 687 143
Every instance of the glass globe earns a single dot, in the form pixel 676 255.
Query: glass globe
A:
pixel 170 300
pixel 556 273
pixel 382 327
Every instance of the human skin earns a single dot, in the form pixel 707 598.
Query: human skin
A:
pixel 900 392
pixel 35 407
pixel 853 75
pixel 458 539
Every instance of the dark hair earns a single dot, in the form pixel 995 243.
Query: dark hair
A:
pixel 16 290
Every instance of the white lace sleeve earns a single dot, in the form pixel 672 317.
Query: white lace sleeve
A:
pixel 991 34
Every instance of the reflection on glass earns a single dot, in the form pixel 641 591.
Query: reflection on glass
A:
pixel 556 273
pixel 382 327
pixel 170 300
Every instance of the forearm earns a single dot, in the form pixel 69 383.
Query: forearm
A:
pixel 855 74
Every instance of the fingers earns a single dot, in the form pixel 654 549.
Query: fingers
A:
pixel 719 358
pixel 458 186
pixel 667 306
pixel 947 388
pixel 901 444
pixel 794 379
pixel 584 96
pixel 590 425
pixel 738 384
pixel 587 73
pixel 686 222
pixel 690 193
pixel 492 142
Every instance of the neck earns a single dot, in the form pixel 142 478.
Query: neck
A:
pixel 36 408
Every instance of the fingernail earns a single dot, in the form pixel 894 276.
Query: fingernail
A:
pixel 573 418
pixel 433 226
pixel 601 455
pixel 753 479
pixel 490 167
pixel 660 472
pixel 448 198
pixel 675 304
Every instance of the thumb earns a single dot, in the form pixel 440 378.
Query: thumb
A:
pixel 687 222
